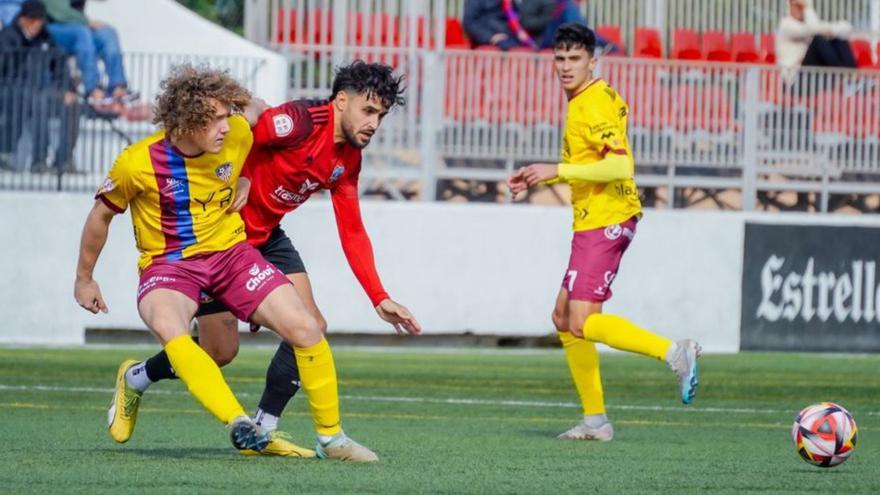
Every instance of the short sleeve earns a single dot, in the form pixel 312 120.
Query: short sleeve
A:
pixel 121 184
pixel 285 125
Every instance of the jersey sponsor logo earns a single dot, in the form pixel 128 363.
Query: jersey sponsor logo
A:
pixel 603 289
pixel 338 170
pixel 224 172
pixel 258 277
pixel 622 112
pixel 283 124
pixel 613 232
pixel 172 186
pixel 607 135
pixel 601 127
pixel 153 282
pixel 580 213
pixel 287 197
pixel 108 185
pixel 308 186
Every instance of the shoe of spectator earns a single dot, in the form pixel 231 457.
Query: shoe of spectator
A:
pixel 39 168
pixel 127 97
pixel 105 107
pixel 136 112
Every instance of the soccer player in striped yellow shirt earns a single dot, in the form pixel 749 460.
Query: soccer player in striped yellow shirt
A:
pixel 181 185
pixel 598 166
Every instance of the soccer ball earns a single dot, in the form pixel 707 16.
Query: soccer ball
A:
pixel 824 434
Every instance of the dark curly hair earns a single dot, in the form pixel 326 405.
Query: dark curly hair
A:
pixel 571 35
pixel 372 80
pixel 184 106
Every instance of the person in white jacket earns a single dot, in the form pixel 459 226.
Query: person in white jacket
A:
pixel 805 40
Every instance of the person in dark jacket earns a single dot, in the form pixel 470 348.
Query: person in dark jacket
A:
pixel 520 23
pixel 35 86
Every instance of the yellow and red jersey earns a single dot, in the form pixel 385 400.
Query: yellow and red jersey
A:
pixel 178 202
pixel 596 125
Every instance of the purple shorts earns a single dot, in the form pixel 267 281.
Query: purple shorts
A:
pixel 595 258
pixel 239 277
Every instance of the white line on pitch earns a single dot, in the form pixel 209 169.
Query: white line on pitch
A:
pixel 450 401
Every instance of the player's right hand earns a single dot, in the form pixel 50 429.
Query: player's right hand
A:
pixel 88 295
pixel 517 183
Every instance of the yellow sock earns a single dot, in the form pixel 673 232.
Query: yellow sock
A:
pixel 622 334
pixel 203 378
pixel 318 376
pixel 583 362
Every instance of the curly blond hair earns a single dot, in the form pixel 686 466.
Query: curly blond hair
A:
pixel 184 106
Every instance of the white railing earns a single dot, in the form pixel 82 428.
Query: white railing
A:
pixel 98 139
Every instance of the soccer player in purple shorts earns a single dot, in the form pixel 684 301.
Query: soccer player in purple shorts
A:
pixel 181 184
pixel 598 165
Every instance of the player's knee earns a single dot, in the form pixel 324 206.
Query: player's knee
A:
pixel 225 355
pixel 560 321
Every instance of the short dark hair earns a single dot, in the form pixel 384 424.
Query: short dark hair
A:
pixel 373 79
pixel 571 35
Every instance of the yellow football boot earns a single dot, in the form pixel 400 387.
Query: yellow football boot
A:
pixel 122 414
pixel 282 445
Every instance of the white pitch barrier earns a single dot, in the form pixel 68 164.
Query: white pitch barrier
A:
pixel 461 268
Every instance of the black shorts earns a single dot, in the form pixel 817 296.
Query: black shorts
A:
pixel 277 250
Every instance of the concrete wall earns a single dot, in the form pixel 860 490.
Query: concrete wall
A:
pixel 486 269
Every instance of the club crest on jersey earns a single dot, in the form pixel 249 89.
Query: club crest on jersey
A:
pixel 224 171
pixel 613 232
pixel 338 170
pixel 108 185
pixel 283 124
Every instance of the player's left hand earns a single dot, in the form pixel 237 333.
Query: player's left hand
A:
pixel 399 316
pixel 241 195
pixel 539 172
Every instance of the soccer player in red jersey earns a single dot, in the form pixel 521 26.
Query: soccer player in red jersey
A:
pixel 300 148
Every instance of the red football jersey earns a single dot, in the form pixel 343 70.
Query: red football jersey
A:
pixel 293 157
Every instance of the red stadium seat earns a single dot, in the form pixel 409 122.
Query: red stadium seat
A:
pixel 612 35
pixel 851 114
pixel 455 37
pixel 647 43
pixel 702 108
pixel 715 46
pixel 312 30
pixel 686 45
pixel 861 50
pixel 744 49
pixel 768 48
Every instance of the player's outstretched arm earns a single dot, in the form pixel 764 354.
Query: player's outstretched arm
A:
pixel 400 317
pixel 86 290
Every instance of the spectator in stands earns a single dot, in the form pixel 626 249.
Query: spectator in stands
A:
pixel 519 23
pixel 8 10
pixel 90 41
pixel 486 24
pixel 805 40
pixel 36 86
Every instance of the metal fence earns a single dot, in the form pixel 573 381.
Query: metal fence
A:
pixel 49 141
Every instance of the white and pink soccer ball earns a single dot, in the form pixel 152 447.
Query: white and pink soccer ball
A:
pixel 824 434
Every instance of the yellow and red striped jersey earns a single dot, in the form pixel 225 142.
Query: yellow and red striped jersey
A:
pixel 596 125
pixel 178 203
